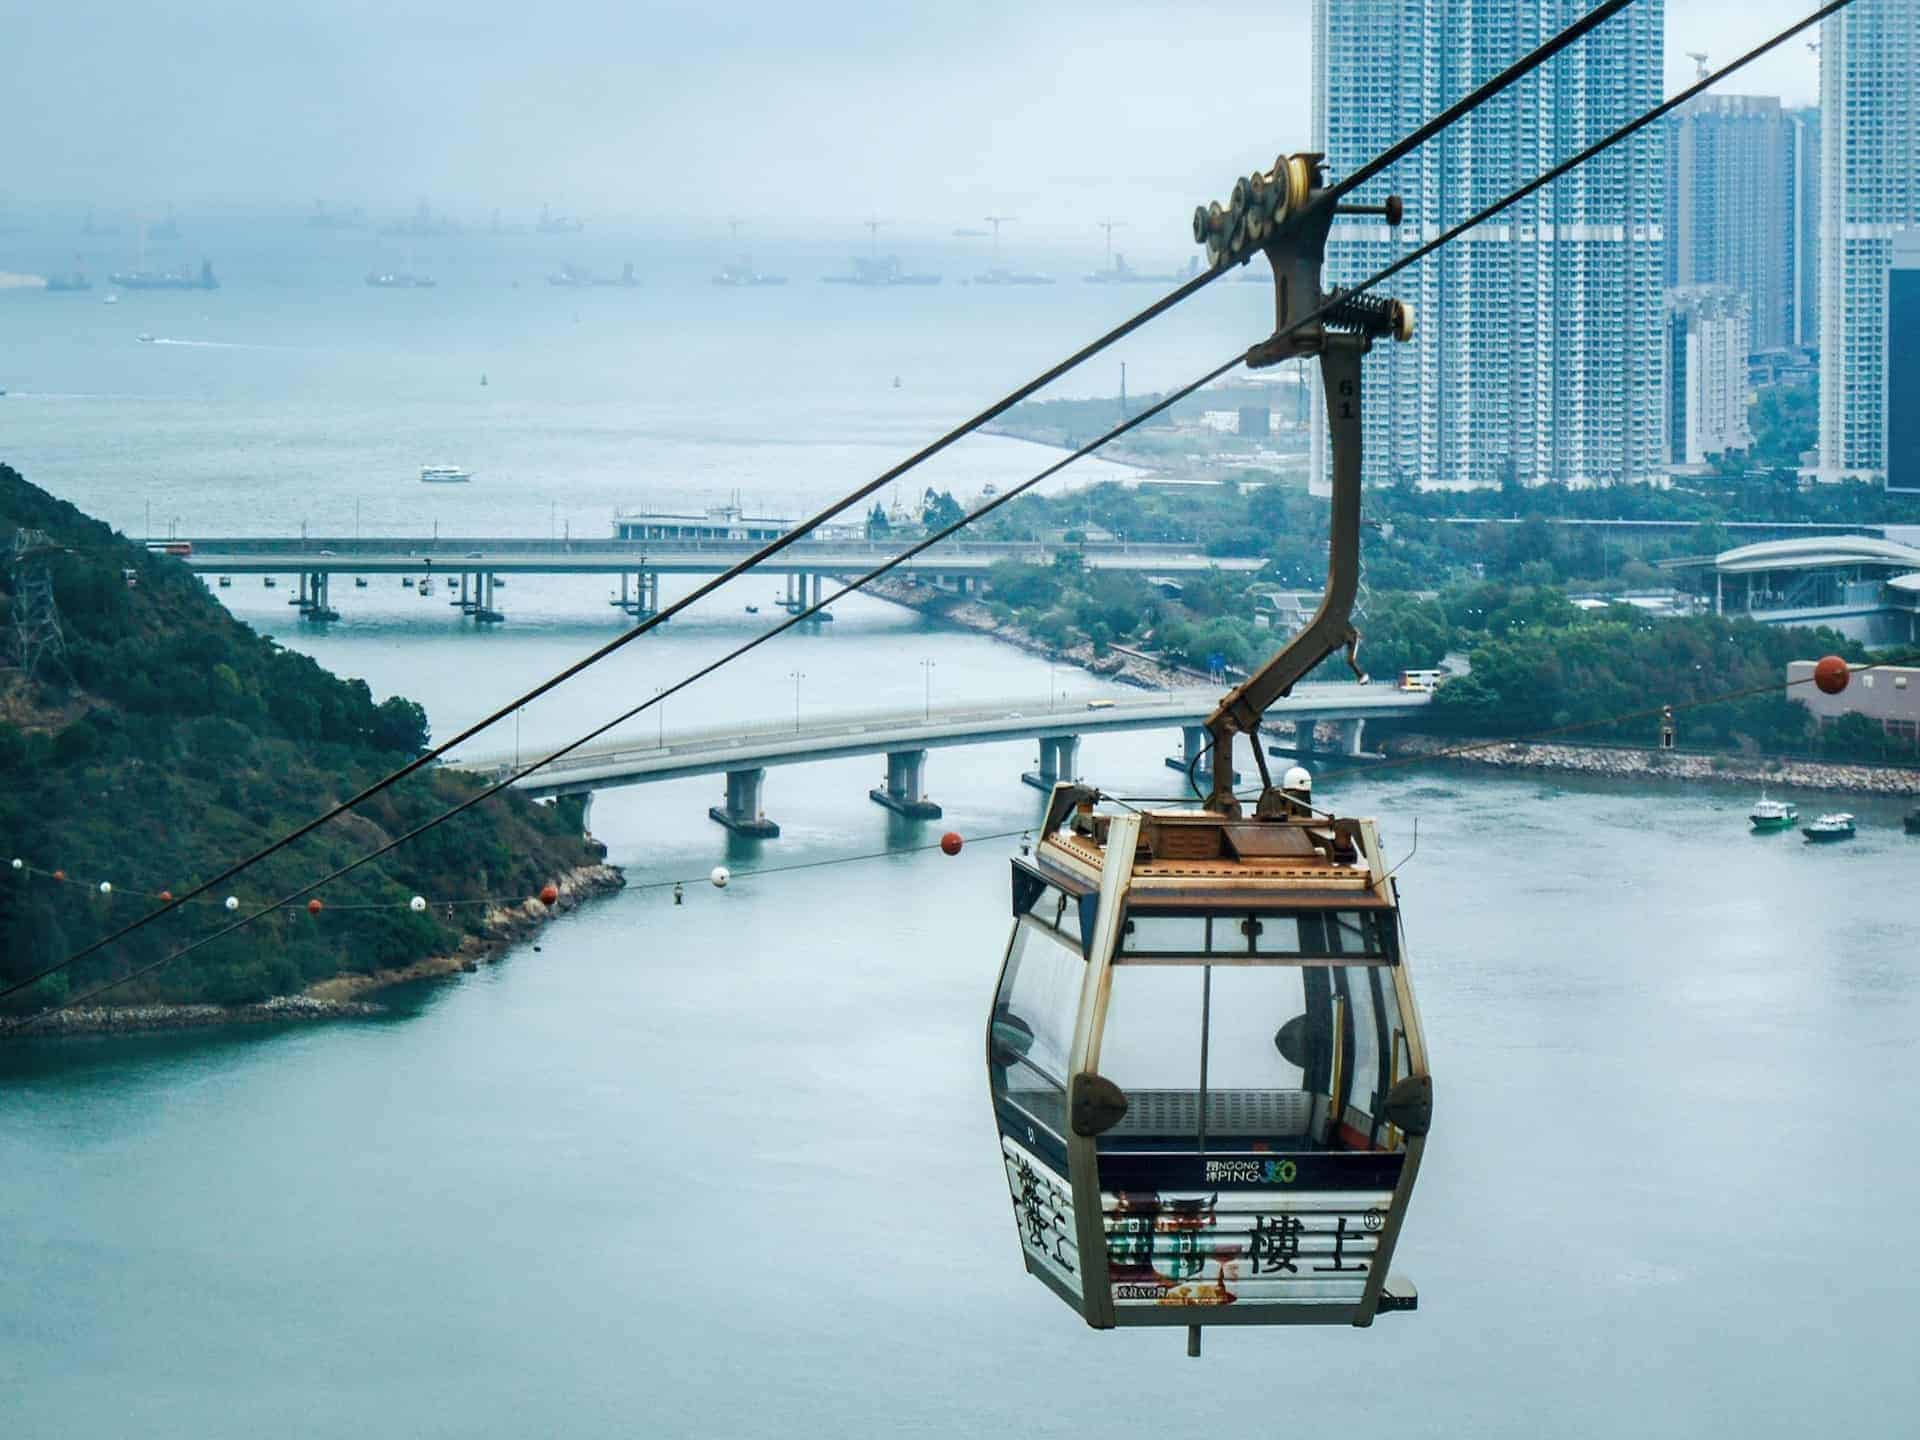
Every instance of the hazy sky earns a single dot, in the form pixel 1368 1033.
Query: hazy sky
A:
pixel 809 112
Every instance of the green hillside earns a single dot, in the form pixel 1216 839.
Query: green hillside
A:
pixel 174 739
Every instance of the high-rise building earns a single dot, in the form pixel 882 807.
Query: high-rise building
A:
pixel 1728 187
pixel 1538 354
pixel 1708 339
pixel 1869 192
pixel 1903 363
pixel 1803 228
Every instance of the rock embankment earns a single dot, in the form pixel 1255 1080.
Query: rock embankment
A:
pixel 337 998
pixel 1629 764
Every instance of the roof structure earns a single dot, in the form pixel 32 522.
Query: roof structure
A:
pixel 1816 552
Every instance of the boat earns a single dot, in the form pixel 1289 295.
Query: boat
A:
pixel 1770 815
pixel 167 279
pixel 399 280
pixel 406 582
pixel 880 272
pixel 269 582
pixel 110 300
pixel 444 475
pixel 753 609
pixel 577 277
pixel 1837 826
pixel 744 274
pixel 359 582
pixel 999 275
pixel 73 280
pixel 226 582
pixel 1121 273
pixel 144 338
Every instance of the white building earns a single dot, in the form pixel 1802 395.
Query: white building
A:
pixel 1803 228
pixel 1869 191
pixel 1538 356
pixel 1708 339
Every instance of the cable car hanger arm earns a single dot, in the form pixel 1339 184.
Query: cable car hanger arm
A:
pixel 1289 214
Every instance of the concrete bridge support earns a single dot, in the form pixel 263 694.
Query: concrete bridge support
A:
pixel 905 792
pixel 1059 760
pixel 315 597
pixel 742 813
pixel 1194 746
pixel 1352 734
pixel 639 594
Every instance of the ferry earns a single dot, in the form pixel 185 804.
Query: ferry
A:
pixel 1838 826
pixel 1770 815
pixel 444 475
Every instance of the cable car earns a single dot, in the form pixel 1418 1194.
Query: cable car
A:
pixel 1205 1060
pixel 1207 1066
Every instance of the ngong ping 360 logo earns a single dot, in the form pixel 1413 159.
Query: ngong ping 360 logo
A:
pixel 1251 1172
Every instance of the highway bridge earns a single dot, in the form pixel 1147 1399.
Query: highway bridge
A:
pixel 744 753
pixel 469 568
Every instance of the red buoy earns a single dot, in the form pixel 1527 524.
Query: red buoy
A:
pixel 1831 674
pixel 166 894
pixel 951 842
pixel 549 894
pixel 314 907
pixel 59 874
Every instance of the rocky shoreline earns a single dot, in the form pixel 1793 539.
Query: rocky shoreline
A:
pixel 336 998
pixel 1626 764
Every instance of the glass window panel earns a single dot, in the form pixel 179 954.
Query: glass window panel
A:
pixel 1031 1034
pixel 1276 934
pixel 1369 1084
pixel 1166 935
pixel 1152 1035
pixel 1249 1005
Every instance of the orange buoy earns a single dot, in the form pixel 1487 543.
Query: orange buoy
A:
pixel 59 874
pixel 314 907
pixel 1831 674
pixel 951 842
pixel 549 894
pixel 166 894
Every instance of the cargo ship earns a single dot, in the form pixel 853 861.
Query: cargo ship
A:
pixel 576 276
pixel 885 271
pixel 167 279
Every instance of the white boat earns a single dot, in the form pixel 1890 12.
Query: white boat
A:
pixel 444 475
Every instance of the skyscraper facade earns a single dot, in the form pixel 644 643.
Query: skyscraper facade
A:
pixel 1538 355
pixel 1728 222
pixel 1869 192
pixel 1803 228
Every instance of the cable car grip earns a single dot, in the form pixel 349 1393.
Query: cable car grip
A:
pixel 1288 215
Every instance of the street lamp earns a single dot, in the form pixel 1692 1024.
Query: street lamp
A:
pixel 926 667
pixel 796 676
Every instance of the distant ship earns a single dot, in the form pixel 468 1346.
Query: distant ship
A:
pixel 1121 273
pixel 576 276
pixel 551 224
pixel 1000 275
pixel 398 280
pixel 73 280
pixel 744 274
pixel 444 475
pixel 886 271
pixel 167 279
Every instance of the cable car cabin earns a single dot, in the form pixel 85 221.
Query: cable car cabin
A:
pixel 1207 1068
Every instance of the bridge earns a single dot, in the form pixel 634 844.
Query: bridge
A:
pixel 744 753
pixel 470 568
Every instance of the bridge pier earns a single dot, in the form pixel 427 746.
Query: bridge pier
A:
pixel 1059 760
pixel 1352 733
pixel 1194 746
pixel 742 813
pixel 642 602
pixel 905 791
pixel 314 596
pixel 483 608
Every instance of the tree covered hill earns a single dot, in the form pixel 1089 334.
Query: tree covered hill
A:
pixel 171 740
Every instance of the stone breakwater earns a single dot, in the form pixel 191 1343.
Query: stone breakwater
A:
pixel 1639 765
pixel 337 998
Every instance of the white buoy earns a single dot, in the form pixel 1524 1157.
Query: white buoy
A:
pixel 106 887
pixel 417 904
pixel 720 877
pixel 232 903
pixel 18 863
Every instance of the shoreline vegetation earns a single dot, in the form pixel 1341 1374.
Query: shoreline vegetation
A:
pixel 150 737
